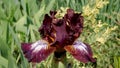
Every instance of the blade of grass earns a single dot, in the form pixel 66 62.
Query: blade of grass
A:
pixel 3 62
pixel 49 6
pixel 17 41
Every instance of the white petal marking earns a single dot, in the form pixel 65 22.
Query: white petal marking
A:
pixel 81 46
pixel 37 46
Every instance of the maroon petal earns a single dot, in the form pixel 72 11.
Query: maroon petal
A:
pixel 45 28
pixel 59 26
pixel 80 51
pixel 70 13
pixel 25 47
pixel 37 51
pixel 75 22
pixel 52 14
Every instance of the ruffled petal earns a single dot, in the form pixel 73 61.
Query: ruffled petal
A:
pixel 52 14
pixel 38 51
pixel 74 24
pixel 80 51
pixel 45 28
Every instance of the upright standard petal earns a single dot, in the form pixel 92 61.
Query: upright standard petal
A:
pixel 38 51
pixel 80 51
pixel 74 24
pixel 45 28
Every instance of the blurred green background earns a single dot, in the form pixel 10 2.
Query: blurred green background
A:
pixel 21 19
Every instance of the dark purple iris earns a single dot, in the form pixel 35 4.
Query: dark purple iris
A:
pixel 59 36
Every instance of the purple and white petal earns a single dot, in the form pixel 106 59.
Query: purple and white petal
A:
pixel 38 51
pixel 80 51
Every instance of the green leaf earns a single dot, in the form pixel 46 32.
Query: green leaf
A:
pixel 38 15
pixel 117 62
pixel 11 62
pixel 3 62
pixel 17 41
pixel 50 5
pixel 32 36
pixel 3 48
pixel 61 65
pixel 20 24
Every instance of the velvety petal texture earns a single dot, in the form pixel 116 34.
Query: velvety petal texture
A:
pixel 38 51
pixel 74 24
pixel 80 51
pixel 46 28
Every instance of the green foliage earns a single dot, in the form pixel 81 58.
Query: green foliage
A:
pixel 21 19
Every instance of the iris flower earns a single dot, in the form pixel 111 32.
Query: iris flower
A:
pixel 59 36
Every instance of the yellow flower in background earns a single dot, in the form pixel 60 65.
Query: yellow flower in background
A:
pixel 61 12
pixel 86 10
pixel 100 3
pixel 104 37
pixel 101 40
pixel 100 23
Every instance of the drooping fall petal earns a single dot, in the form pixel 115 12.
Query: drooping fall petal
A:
pixel 38 51
pixel 80 51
